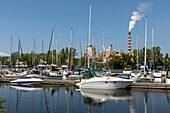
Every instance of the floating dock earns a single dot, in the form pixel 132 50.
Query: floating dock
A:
pixel 46 81
pixel 141 85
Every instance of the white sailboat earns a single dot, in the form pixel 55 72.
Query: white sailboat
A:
pixel 136 73
pixel 158 72
pixel 54 72
pixel 93 81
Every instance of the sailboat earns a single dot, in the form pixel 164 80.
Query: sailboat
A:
pixel 26 80
pixel 17 73
pixel 54 72
pixel 136 73
pixel 75 73
pixel 93 79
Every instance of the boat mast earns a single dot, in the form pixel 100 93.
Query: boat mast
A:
pixel 42 50
pixel 85 59
pixel 19 49
pixel 50 44
pixel 57 52
pixel 80 53
pixel 89 37
pixel 33 59
pixel 145 45
pixel 152 48
pixel 53 47
pixel 103 48
pixel 71 50
pixel 137 52
pixel 18 53
pixel 11 53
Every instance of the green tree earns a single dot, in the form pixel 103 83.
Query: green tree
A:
pixel 116 63
pixel 2 100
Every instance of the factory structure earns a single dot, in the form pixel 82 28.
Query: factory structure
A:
pixel 101 56
pixel 129 42
pixel 107 55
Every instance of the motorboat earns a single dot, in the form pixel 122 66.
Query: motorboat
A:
pixel 92 80
pixel 157 74
pixel 167 79
pixel 100 96
pixel 11 74
pixel 76 74
pixel 54 73
pixel 26 81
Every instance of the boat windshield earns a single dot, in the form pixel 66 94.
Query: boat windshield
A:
pixel 100 74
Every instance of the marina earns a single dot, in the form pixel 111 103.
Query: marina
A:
pixel 114 66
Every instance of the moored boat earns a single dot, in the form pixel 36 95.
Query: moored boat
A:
pixel 26 81
pixel 102 81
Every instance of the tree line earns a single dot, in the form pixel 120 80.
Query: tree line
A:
pixel 154 58
pixel 68 56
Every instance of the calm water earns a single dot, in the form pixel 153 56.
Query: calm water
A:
pixel 69 100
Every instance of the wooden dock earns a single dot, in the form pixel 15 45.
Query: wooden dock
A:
pixel 46 81
pixel 141 85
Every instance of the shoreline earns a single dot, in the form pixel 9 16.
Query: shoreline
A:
pixel 136 85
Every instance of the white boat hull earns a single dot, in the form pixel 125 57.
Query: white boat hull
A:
pixel 157 80
pixel 75 77
pixel 105 83
pixel 26 81
pixel 157 74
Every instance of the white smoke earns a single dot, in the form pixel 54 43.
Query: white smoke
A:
pixel 138 14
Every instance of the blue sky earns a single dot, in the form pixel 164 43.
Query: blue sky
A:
pixel 30 19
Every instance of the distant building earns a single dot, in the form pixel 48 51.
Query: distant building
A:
pixel 92 51
pixel 109 54
pixel 101 56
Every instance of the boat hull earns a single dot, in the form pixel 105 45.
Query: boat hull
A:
pixel 105 83
pixel 26 82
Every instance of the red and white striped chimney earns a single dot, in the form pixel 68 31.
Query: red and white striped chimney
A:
pixel 129 42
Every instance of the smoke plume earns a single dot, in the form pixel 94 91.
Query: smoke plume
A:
pixel 138 14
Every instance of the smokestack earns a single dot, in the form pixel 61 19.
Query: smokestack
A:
pixel 129 42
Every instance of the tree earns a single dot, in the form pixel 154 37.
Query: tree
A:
pixel 2 100
pixel 116 63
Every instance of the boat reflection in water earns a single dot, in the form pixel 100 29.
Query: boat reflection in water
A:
pixel 26 88
pixel 100 96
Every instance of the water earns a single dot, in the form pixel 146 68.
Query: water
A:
pixel 69 100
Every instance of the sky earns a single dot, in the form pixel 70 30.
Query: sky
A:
pixel 34 19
